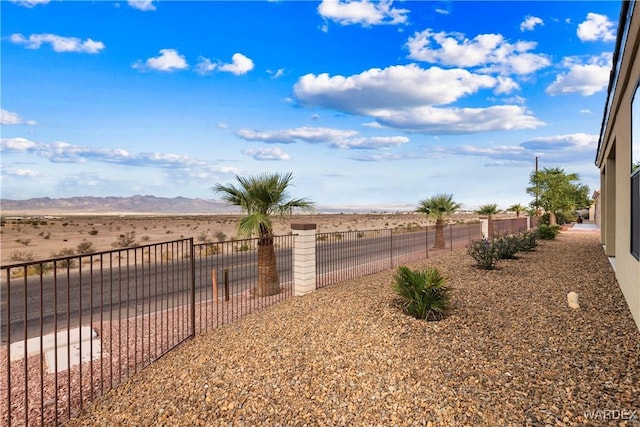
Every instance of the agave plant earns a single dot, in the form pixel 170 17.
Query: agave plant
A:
pixel 424 293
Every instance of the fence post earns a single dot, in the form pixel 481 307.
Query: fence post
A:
pixel 304 258
pixel 193 288
pixel 485 227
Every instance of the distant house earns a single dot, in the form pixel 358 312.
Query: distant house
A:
pixel 618 158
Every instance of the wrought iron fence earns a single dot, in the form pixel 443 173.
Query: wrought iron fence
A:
pixel 344 255
pixel 233 267
pixel 77 326
pixel 71 328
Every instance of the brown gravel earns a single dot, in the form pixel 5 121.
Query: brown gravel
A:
pixel 510 352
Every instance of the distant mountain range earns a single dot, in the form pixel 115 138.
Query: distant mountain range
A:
pixel 149 205
pixel 105 205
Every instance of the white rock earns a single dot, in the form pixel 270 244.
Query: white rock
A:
pixel 572 300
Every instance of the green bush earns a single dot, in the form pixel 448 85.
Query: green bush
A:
pixel 424 293
pixel 484 252
pixel 506 247
pixel 547 232
pixel 528 241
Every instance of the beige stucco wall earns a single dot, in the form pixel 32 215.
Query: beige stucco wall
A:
pixel 614 160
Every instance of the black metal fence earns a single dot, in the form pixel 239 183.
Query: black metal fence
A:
pixel 345 255
pixel 233 267
pixel 72 328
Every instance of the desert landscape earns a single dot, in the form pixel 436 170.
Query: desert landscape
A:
pixel 36 237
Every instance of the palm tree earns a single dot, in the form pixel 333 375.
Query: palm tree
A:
pixel 438 207
pixel 489 210
pixel 260 197
pixel 517 208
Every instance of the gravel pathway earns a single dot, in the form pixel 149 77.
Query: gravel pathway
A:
pixel 511 352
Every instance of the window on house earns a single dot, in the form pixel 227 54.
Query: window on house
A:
pixel 635 173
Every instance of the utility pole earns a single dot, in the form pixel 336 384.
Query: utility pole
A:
pixel 537 191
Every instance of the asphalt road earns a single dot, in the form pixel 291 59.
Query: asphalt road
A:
pixel 40 305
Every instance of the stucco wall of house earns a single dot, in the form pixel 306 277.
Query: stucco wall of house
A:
pixel 614 161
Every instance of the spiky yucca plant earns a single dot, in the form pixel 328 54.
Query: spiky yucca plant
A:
pixel 424 293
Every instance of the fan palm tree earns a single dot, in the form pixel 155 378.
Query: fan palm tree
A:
pixel 489 210
pixel 438 207
pixel 517 208
pixel 260 197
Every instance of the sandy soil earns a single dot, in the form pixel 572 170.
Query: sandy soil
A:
pixel 43 237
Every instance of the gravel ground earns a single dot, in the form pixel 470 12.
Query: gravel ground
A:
pixel 510 352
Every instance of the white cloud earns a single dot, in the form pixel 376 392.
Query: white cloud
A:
pixel 272 153
pixel 530 23
pixel 400 86
pixel 491 51
pixel 11 118
pixel 302 134
pixel 144 5
pixel 30 3
pixel 334 138
pixel 583 78
pixel 17 144
pixel 205 66
pixel 442 11
pixel 240 65
pixel 575 142
pixel 372 125
pixel 63 152
pixel 363 12
pixel 276 74
pixel 21 173
pixel 585 111
pixel 169 60
pixel 58 43
pixel 373 143
pixel 596 27
pixel 430 120
pixel 409 98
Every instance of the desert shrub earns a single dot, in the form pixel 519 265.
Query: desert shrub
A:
pixel 203 237
pixel 506 247
pixel 337 236
pixel 145 238
pixel 321 237
pixel 424 293
pixel 125 240
pixel 220 236
pixel 93 232
pixel 210 249
pixel 484 253
pixel 85 247
pixel 547 232
pixel 528 241
pixel 25 242
pixel 25 256
pixel 242 248
pixel 360 235
pixel 65 263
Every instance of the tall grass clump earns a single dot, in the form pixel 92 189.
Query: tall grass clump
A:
pixel 424 293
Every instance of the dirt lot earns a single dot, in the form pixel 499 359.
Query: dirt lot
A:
pixel 46 236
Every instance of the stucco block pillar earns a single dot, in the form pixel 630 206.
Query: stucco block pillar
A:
pixel 485 228
pixel 304 258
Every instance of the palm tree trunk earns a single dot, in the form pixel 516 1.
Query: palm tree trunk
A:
pixel 552 218
pixel 268 282
pixel 439 234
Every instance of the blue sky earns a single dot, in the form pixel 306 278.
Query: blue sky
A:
pixel 375 104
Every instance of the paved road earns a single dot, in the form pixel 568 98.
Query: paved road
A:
pixel 130 289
